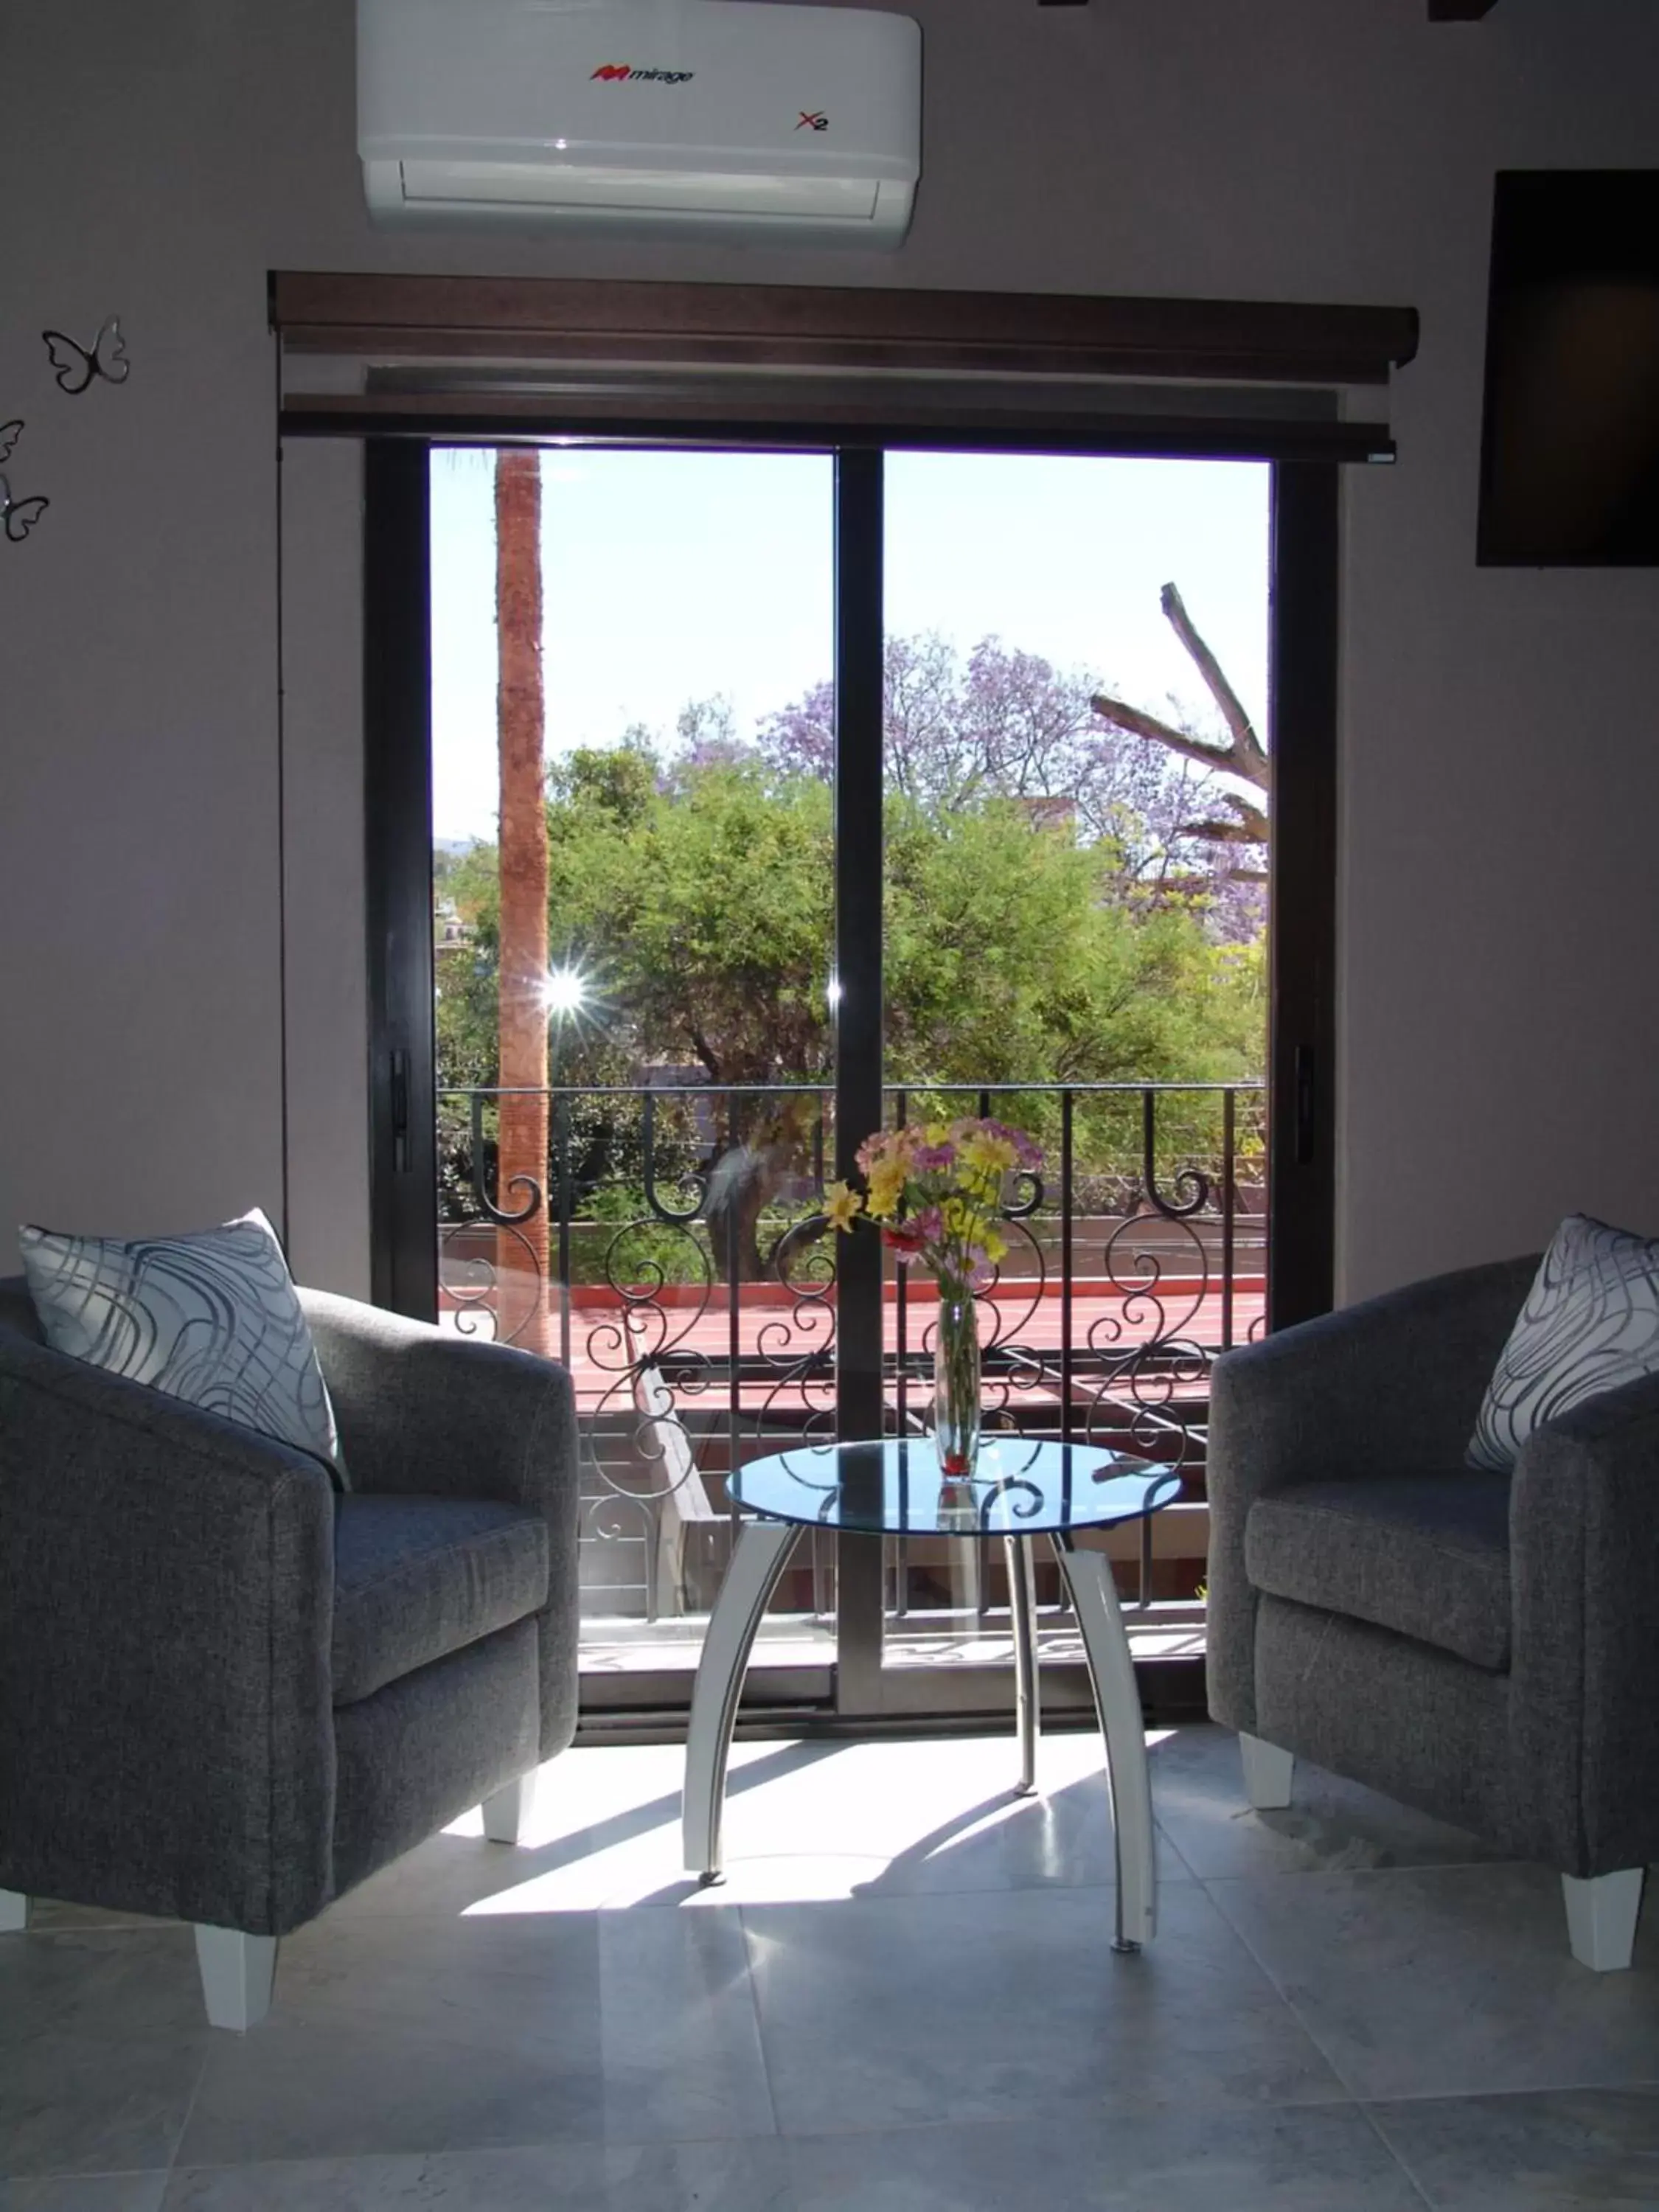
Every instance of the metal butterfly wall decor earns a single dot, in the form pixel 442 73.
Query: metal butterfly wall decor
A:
pixel 78 367
pixel 17 516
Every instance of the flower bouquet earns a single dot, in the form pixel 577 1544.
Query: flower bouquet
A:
pixel 936 1193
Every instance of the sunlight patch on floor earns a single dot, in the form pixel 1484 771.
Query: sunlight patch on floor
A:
pixel 805 1822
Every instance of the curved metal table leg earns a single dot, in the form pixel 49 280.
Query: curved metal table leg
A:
pixel 762 1552
pixel 1094 1598
pixel 1021 1607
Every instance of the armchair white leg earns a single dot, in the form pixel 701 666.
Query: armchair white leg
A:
pixel 509 1808
pixel 1601 1917
pixel 1267 1772
pixel 13 1912
pixel 236 1975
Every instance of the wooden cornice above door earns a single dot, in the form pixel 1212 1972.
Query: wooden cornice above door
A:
pixel 396 318
pixel 482 359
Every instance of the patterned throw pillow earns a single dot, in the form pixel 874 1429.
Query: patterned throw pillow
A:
pixel 212 1318
pixel 1591 1323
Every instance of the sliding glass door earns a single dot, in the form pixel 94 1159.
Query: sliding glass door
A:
pixel 634 1016
pixel 1075 902
pixel 753 800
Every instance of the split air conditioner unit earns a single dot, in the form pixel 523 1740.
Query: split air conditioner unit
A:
pixel 734 118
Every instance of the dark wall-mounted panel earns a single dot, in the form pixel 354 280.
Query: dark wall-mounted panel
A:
pixel 1569 447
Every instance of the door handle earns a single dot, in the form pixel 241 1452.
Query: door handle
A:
pixel 1303 1081
pixel 400 1113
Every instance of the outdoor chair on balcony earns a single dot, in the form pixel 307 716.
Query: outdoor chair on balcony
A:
pixel 227 1692
pixel 1482 1646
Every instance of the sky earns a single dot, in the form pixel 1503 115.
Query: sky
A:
pixel 674 576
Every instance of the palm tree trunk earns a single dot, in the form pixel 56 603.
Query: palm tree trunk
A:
pixel 521 1252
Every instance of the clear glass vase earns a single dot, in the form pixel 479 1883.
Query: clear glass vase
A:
pixel 956 1386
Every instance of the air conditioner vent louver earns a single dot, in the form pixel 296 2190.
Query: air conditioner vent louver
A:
pixel 599 190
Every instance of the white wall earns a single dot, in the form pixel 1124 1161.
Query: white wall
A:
pixel 1499 899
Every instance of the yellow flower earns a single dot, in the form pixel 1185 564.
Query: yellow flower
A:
pixel 841 1205
pixel 996 1246
pixel 886 1189
pixel 992 1155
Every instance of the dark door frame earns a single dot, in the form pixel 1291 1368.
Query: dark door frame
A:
pixel 398 858
pixel 1304 663
pixel 1303 667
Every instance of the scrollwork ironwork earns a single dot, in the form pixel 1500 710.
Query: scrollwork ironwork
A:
pixel 696 1179
pixel 794 1353
pixel 1027 1500
pixel 1100 1329
pixel 1192 1179
pixel 499 1214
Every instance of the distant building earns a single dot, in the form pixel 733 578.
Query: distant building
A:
pixel 449 933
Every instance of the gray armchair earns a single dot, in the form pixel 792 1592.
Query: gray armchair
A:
pixel 1484 1647
pixel 228 1694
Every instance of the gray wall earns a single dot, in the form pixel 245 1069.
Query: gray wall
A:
pixel 1499 899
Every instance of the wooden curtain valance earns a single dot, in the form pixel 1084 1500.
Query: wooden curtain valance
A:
pixel 802 326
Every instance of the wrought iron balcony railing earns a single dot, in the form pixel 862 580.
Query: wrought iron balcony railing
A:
pixel 675 1256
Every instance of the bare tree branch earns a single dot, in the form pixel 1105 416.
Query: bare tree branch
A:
pixel 1139 723
pixel 1226 833
pixel 1250 828
pixel 1242 756
pixel 1248 759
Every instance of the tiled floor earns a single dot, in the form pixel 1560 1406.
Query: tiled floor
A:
pixel 904 2000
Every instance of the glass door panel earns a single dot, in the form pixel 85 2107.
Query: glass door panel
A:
pixel 632 919
pixel 1075 911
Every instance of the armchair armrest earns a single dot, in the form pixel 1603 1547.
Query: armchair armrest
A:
pixel 166 1610
pixel 1390 1386
pixel 423 1410
pixel 1584 1564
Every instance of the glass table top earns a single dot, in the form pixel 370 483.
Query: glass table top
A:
pixel 1022 1487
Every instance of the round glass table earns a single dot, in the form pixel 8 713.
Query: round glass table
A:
pixel 1022 1488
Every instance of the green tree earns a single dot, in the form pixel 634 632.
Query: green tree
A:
pixel 696 898
pixel 1009 957
pixel 699 907
pixel 697 901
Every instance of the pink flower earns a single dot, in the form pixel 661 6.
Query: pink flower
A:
pixel 933 1159
pixel 928 1225
pixel 892 1145
pixel 981 1273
